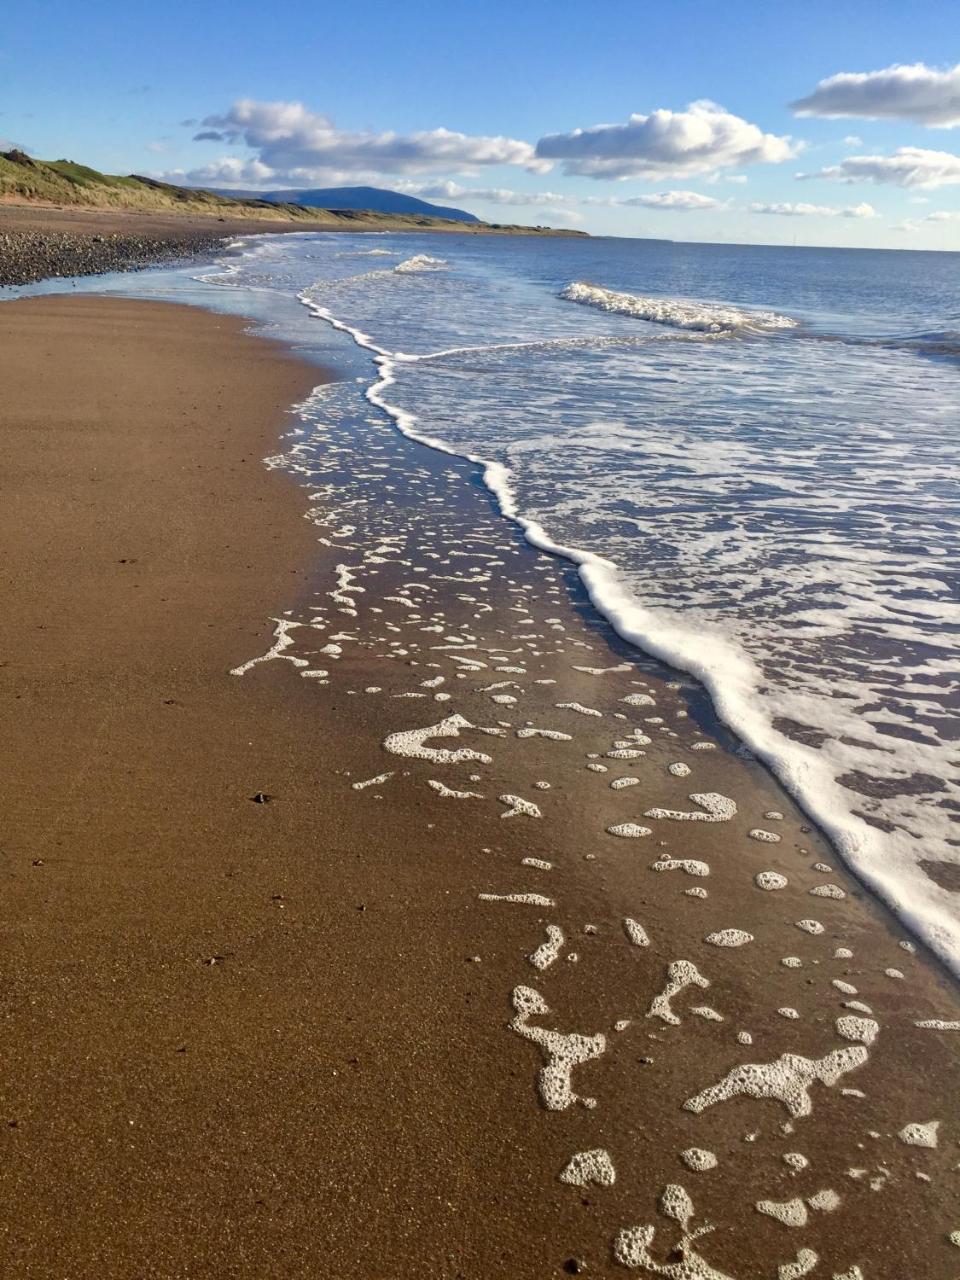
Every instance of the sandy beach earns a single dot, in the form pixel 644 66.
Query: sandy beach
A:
pixel 295 986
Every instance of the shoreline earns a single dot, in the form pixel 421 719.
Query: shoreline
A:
pixel 234 1011
pixel 47 242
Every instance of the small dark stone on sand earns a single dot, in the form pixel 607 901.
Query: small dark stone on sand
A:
pixel 262 798
pixel 574 1267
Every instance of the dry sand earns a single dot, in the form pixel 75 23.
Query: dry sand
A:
pixel 256 1040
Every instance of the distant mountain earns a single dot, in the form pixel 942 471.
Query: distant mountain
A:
pixel 25 180
pixel 377 199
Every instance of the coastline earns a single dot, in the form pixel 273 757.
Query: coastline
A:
pixel 39 241
pixel 257 1028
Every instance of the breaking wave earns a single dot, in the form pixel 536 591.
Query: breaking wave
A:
pixel 704 317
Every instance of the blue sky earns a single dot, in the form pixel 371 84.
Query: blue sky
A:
pixel 342 94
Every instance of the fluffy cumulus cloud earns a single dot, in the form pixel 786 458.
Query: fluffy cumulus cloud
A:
pixel 917 93
pixel 905 167
pixel 701 139
pixel 298 145
pixel 678 201
pixel 801 210
pixel 489 195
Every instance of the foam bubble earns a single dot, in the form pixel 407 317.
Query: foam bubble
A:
pixel 527 899
pixel 518 806
pixel 729 938
pixel 680 974
pixel 770 880
pixel 765 837
pixel 804 1264
pixel 689 866
pixel 862 1030
pixel 787 1080
pixel 562 1052
pixel 412 743
pixel 371 782
pixel 549 949
pixel 698 1159
pixel 588 1167
pixel 636 933
pixel 920 1135
pixel 792 1213
pixel 715 808
pixel 629 830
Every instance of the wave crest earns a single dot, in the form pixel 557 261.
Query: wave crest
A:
pixel 704 317
pixel 420 262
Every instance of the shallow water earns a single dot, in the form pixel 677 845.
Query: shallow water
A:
pixel 752 452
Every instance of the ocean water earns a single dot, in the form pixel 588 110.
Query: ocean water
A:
pixel 752 453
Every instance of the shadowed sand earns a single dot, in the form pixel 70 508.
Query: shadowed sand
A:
pixel 255 1040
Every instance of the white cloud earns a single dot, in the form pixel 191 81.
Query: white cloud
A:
pixel 491 195
pixel 298 145
pixel 905 167
pixel 676 200
pixel 851 140
pixel 665 143
pixel 918 93
pixel 228 171
pixel 801 210
pixel 943 215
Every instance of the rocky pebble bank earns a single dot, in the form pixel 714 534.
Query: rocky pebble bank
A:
pixel 26 256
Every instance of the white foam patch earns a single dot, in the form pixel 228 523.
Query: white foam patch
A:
pixel 860 1030
pixel 540 864
pixel 578 707
pixel 828 891
pixel 713 808
pixel 787 1080
pixel 631 1247
pixel 920 1135
pixel 680 975
pixel 938 1024
pixel 689 866
pixel 621 784
pixel 729 938
pixel 795 1161
pixel 628 830
pixel 792 1213
pixel 702 317
pixel 449 793
pixel 805 1262
pixel 709 1015
pixel 371 782
pixel 825 1201
pixel 518 807
pixel 639 700
pixel 412 743
pixel 283 640
pixel 765 837
pixel 554 735
pixel 810 926
pixel 770 880
pixel 679 769
pixel 525 899
pixel 698 1159
pixel 562 1051
pixel 548 950
pixel 589 1168
pixel 635 933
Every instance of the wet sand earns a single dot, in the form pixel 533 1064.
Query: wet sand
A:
pixel 272 1039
